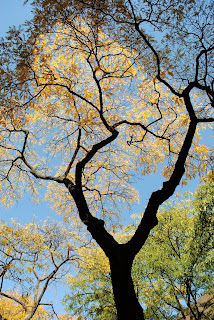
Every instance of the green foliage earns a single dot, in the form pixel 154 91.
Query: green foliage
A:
pixel 178 257
pixel 91 288
pixel 171 272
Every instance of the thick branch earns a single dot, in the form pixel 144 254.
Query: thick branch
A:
pixel 39 175
pixel 94 225
pixel 81 165
pixel 149 219
pixel 74 155
pixel 204 51
pixel 145 128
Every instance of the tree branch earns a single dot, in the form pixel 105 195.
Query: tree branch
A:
pixel 149 219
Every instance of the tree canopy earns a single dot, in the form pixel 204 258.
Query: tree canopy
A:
pixel 95 93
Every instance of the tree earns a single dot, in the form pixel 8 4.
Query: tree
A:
pixel 171 272
pixel 92 96
pixel 32 258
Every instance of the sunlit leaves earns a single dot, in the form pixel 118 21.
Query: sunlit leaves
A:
pixel 32 257
pixel 11 311
pixel 69 72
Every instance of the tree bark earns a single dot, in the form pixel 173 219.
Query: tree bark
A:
pixel 127 304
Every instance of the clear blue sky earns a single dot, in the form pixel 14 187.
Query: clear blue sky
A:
pixel 12 12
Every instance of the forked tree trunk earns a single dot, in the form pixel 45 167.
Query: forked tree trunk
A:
pixel 120 258
pixel 127 304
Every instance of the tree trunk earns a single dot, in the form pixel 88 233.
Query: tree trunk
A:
pixel 127 304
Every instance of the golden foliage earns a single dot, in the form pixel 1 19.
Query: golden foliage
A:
pixel 72 83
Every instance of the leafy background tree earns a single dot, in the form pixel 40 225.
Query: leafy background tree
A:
pixel 33 258
pixel 172 271
pixel 90 99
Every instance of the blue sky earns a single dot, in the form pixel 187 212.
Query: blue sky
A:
pixel 12 12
